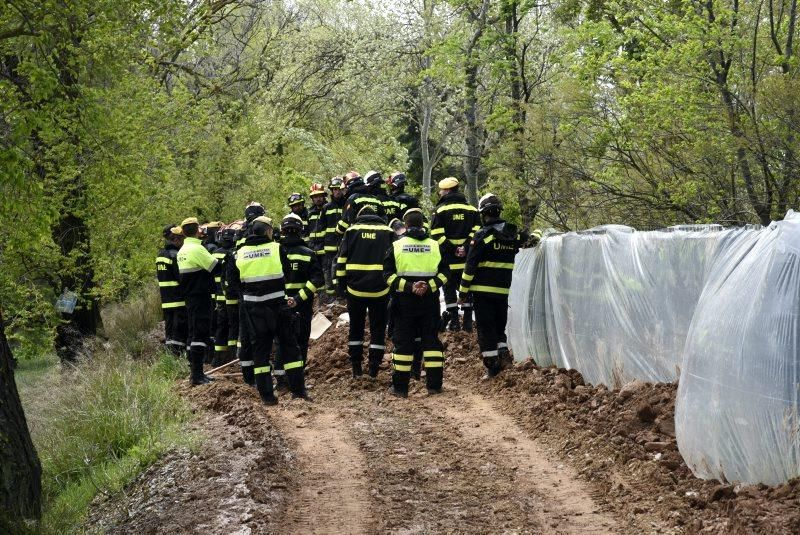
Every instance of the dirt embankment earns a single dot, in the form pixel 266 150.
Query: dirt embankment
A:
pixel 534 451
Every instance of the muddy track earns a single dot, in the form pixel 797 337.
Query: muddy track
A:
pixel 534 451
pixel 332 493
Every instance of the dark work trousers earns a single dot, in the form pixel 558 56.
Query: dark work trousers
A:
pixel 245 361
pixel 210 348
pixel 305 313
pixel 450 291
pixel 232 311
pixel 175 329
pixel 491 313
pixel 357 308
pixel 221 335
pixel 198 309
pixel 416 368
pixel 263 322
pixel 417 318
pixel 328 267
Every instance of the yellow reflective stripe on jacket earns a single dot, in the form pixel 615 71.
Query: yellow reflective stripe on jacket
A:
pixel 489 238
pixel 295 285
pixel 457 241
pixel 163 260
pixel 231 301
pixel 498 265
pixel 301 257
pixel 174 304
pixel 457 266
pixel 364 267
pixel 456 206
pixel 368 226
pixel 437 230
pixel 489 289
pixel 467 277
pixel 367 294
pixel 167 284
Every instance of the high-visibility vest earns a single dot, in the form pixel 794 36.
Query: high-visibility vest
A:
pixel 258 263
pixel 416 258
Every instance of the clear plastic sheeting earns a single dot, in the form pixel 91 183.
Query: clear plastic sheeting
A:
pixel 611 302
pixel 736 413
pixel 718 308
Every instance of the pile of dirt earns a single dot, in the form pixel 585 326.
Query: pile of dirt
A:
pixel 623 441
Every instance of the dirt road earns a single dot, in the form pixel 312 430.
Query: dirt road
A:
pixel 531 452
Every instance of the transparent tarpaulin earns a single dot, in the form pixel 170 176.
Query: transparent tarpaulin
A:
pixel 736 413
pixel 611 302
pixel 719 308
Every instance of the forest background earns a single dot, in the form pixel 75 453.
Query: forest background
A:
pixel 117 118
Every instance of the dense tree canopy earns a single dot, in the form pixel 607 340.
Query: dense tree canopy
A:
pixel 119 117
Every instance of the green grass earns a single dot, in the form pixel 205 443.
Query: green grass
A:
pixel 99 425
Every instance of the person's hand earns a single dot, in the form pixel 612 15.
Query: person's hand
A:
pixel 461 252
pixel 291 303
pixel 420 288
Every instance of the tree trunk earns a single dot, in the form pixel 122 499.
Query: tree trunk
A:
pixel 20 470
pixel 472 158
pixel 425 148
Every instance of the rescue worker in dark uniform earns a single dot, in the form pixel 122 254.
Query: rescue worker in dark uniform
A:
pixel 225 242
pixel 208 235
pixel 359 272
pixel 454 223
pixel 370 193
pixel 399 201
pixel 266 312
pixel 328 219
pixel 297 206
pixel 173 307
pixel 415 270
pixel 196 265
pixel 231 235
pixel 252 211
pixel 487 277
pixel 316 235
pixel 303 278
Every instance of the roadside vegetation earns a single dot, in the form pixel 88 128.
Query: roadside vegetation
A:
pixel 99 424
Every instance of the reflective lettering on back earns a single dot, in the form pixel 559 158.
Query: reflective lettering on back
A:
pixel 261 253
pixel 458 217
pixel 408 248
pixel 368 236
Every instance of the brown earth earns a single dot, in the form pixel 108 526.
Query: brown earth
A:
pixel 533 451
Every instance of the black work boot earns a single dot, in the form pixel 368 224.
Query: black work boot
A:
pixel 467 326
pixel 281 384
pixel 375 360
pixel 264 386
pixel 248 375
pixel 357 370
pixel 455 322
pixel 492 367
pixel 196 365
pixel 506 361
pixel 445 319
pixel 297 384
pixel 433 380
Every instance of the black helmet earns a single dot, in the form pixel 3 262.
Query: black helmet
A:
pixel 490 203
pixel 227 236
pixel 373 178
pixel 294 198
pixel 253 210
pixel 291 222
pixel 396 180
pixel 167 231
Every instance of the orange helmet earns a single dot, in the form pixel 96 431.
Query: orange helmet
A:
pixel 316 189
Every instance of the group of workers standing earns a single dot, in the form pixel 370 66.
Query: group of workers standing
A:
pixel 250 286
